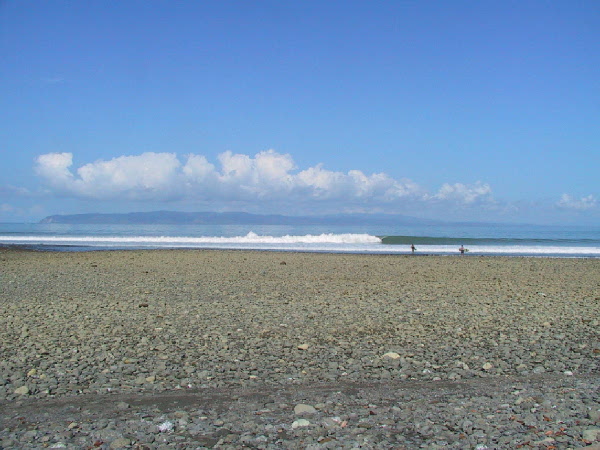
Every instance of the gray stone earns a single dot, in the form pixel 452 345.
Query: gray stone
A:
pixel 120 443
pixel 304 409
pixel 591 434
pixel 300 423
pixel 23 390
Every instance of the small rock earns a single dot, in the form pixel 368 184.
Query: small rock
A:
pixel 330 422
pixel 300 423
pixel 391 355
pixel 304 409
pixel 545 442
pixel 23 390
pixel 591 435
pixel 165 427
pixel 120 443
pixel 303 347
pixel 487 366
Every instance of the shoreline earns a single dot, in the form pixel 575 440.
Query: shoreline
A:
pixel 131 326
pixel 84 249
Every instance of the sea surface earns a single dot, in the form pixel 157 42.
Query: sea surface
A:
pixel 478 239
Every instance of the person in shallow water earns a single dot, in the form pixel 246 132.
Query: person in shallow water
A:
pixel 412 248
pixel 462 250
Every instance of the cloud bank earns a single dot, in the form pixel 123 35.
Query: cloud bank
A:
pixel 267 176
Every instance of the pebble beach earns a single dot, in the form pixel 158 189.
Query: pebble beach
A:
pixel 245 349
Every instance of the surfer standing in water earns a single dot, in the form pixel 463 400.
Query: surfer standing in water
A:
pixel 413 248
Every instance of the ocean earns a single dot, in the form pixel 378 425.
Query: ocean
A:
pixel 478 239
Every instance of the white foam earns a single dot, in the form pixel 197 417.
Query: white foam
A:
pixel 250 238
pixel 326 242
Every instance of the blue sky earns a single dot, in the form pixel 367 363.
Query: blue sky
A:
pixel 461 110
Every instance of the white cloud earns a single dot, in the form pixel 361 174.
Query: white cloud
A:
pixel 54 168
pixel 266 176
pixel 198 169
pixel 462 193
pixel 320 183
pixel 584 203
pixel 149 176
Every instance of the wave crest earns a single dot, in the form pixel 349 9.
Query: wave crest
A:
pixel 250 238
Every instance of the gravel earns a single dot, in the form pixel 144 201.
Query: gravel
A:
pixel 231 349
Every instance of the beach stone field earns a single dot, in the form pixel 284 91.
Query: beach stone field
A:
pixel 244 349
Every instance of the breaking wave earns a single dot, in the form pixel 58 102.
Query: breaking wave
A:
pixel 200 241
pixel 70 240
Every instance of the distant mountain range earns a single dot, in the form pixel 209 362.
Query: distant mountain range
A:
pixel 234 218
